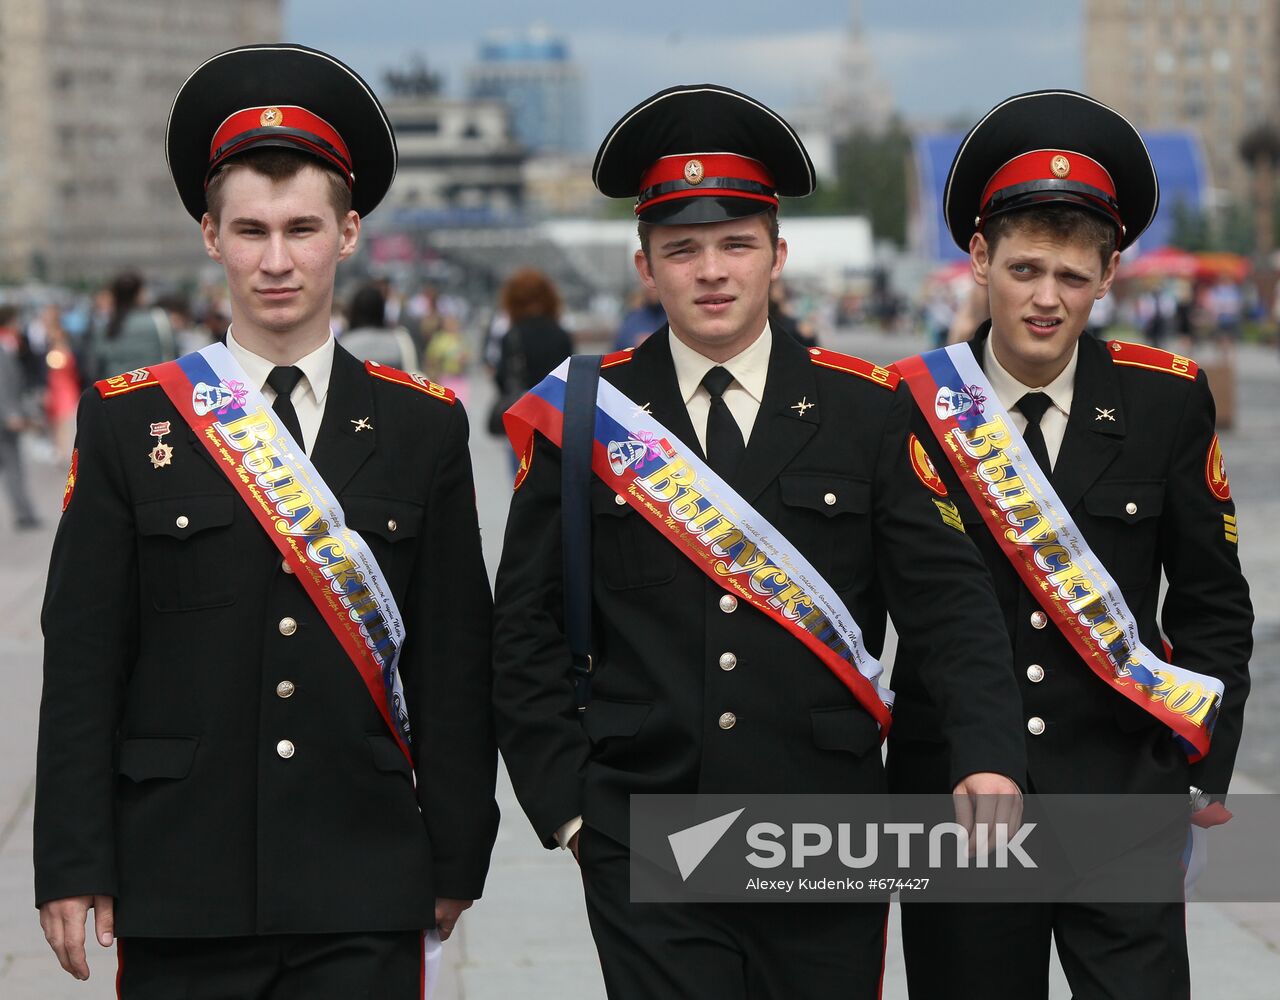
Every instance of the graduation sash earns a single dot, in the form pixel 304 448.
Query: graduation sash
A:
pixel 1036 533
pixel 695 510
pixel 274 477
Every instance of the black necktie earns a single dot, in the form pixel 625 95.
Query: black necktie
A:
pixel 1033 406
pixel 724 438
pixel 283 380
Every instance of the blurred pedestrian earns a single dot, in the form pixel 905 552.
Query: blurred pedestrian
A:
pixel 62 383
pixel 534 343
pixel 134 335
pixel 447 358
pixel 13 422
pixel 645 316
pixel 369 335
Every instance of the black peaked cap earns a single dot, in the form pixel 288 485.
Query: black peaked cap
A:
pixel 279 75
pixel 693 119
pixel 1057 120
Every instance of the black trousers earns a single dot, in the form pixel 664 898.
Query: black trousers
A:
pixel 364 966
pixel 760 951
pixel 1109 951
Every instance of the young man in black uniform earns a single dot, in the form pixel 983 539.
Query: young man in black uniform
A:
pixel 1124 434
pixel 695 689
pixel 266 753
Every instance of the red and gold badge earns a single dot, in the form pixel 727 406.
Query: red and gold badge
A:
pixel 923 467
pixel 71 478
pixel 1215 471
pixel 526 463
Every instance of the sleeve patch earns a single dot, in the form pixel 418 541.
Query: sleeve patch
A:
pixel 855 366
pixel 414 380
pixel 117 385
pixel 1215 472
pixel 70 488
pixel 922 465
pixel 526 463
pixel 1230 530
pixel 1142 356
pixel 950 514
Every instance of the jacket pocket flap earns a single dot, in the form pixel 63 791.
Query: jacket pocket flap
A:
pixel 387 755
pixel 148 757
pixel 846 728
pixel 828 494
pixel 182 517
pixel 1130 501
pixel 605 502
pixel 603 719
pixel 394 520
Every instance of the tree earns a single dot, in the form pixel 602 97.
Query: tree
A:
pixel 1260 149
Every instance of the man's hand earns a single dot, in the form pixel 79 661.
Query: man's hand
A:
pixel 987 799
pixel 63 922
pixel 447 913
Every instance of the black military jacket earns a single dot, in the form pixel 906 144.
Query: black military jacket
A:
pixel 161 776
pixel 1132 473
pixel 694 696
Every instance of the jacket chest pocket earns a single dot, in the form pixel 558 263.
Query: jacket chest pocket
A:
pixel 184 557
pixel 1127 516
pixel 388 528
pixel 826 518
pixel 627 551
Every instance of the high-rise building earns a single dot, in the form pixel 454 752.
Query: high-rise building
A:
pixel 85 88
pixel 532 72
pixel 1210 66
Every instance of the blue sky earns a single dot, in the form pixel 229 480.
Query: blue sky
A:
pixel 942 59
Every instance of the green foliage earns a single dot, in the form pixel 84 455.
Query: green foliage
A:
pixel 871 180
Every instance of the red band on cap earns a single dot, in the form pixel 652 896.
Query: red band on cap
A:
pixel 1054 166
pixel 298 126
pixel 695 175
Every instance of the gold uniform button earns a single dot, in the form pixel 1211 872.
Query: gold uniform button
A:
pixel 288 626
pixel 182 521
pixel 1035 725
pixel 1035 673
pixel 285 749
pixel 619 499
pixel 391 524
pixel 728 604
pixel 728 661
pixel 728 720
pixel 1131 508
pixel 829 499
pixel 1039 619
pixel 284 565
pixel 285 689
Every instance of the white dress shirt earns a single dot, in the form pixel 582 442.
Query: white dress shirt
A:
pixel 749 368
pixel 1053 425
pixel 308 395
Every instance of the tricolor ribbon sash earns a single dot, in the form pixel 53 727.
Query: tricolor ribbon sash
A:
pixel 282 489
pixel 1038 536
pixel 711 525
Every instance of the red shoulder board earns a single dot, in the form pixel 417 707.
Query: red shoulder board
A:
pixel 855 366
pixel 1142 356
pixel 616 358
pixel 118 385
pixel 412 379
